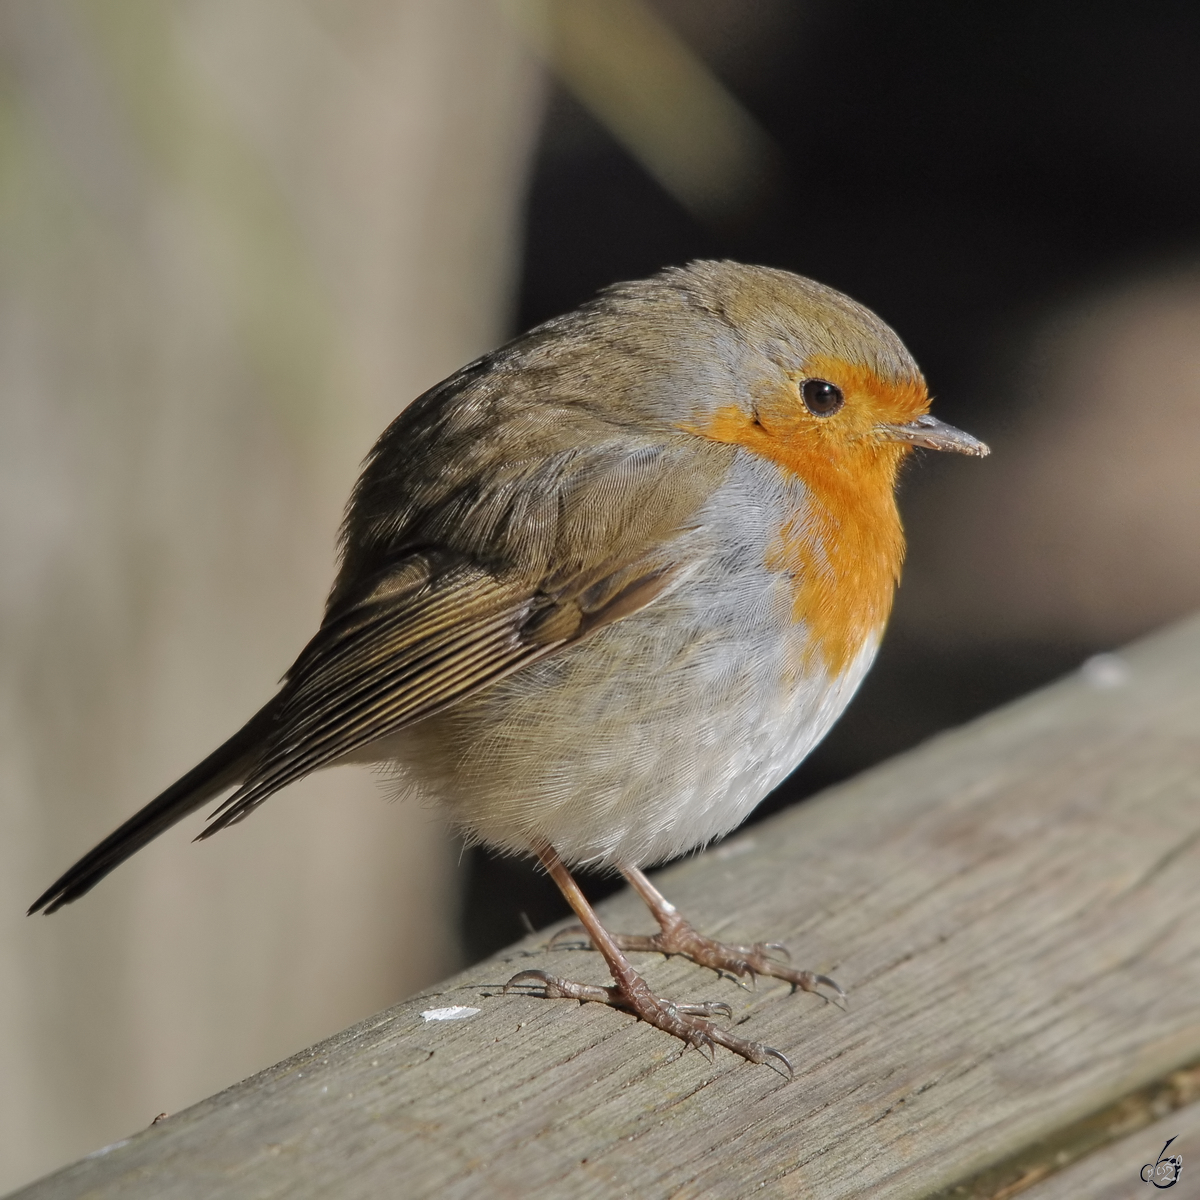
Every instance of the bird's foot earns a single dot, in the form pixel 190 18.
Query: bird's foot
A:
pixel 743 963
pixel 689 1022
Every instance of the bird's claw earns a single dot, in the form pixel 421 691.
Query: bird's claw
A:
pixel 691 1023
pixel 710 1008
pixel 573 933
pixel 824 981
pixel 554 988
pixel 789 1072
pixel 742 964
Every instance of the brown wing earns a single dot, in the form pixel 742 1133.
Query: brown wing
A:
pixel 427 633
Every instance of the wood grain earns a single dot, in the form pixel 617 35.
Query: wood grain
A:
pixel 1011 907
pixel 1114 1173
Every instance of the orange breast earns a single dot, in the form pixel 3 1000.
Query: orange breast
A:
pixel 843 549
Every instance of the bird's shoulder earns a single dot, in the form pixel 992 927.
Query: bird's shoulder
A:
pixel 523 468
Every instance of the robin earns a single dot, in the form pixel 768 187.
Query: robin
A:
pixel 602 590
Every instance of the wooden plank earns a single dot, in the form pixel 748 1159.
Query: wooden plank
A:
pixel 1115 1173
pixel 1092 1148
pixel 1011 908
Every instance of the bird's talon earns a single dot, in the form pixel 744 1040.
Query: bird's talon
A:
pixel 553 988
pixel 839 996
pixel 711 1008
pixel 533 975
pixel 691 1023
pixel 574 932
pixel 770 1053
pixel 743 964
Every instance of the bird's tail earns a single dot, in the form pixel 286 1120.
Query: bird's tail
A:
pixel 224 767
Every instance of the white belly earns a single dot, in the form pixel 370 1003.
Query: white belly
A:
pixel 616 766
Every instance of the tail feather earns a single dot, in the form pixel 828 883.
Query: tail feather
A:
pixel 224 767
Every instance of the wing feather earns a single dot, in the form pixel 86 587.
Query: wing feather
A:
pixel 388 662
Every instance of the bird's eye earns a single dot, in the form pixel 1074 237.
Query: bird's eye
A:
pixel 821 397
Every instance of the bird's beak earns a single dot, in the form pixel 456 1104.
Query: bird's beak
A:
pixel 934 435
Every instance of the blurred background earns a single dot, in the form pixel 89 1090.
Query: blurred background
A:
pixel 237 236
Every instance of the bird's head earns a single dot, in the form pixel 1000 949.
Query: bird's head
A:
pixel 803 377
pixel 820 385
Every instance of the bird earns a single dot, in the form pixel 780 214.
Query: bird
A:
pixel 599 592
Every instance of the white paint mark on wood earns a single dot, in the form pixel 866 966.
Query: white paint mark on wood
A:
pixel 456 1012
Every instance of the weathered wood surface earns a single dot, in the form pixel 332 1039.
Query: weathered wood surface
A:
pixel 1012 908
pixel 1114 1172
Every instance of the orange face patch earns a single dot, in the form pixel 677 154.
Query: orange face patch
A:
pixel 844 549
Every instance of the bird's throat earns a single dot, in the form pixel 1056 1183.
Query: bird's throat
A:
pixel 843 558
pixel 842 547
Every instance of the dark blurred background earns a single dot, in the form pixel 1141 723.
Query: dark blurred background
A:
pixel 971 172
pixel 237 236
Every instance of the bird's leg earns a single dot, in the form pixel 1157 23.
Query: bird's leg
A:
pixel 688 1022
pixel 676 936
